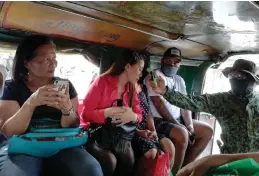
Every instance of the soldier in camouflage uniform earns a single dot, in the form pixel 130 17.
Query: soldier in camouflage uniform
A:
pixel 237 111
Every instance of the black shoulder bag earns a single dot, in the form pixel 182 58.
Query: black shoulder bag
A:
pixel 107 135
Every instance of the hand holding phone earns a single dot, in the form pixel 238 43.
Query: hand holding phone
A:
pixel 153 76
pixel 63 101
pixel 62 85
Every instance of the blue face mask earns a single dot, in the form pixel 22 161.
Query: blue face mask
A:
pixel 169 70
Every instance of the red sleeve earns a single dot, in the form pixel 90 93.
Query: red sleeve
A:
pixel 136 106
pixel 91 113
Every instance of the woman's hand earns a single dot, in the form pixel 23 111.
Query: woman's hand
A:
pixel 147 134
pixel 143 133
pixel 61 101
pixel 196 168
pixel 160 88
pixel 43 96
pixel 113 111
pixel 127 116
pixel 153 135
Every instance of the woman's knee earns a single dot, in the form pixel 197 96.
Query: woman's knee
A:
pixel 168 147
pixel 106 158
pixel 21 165
pixel 77 161
pixel 89 166
pixel 93 167
pixel 180 136
pixel 151 154
pixel 111 162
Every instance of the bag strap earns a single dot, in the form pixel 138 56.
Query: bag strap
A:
pixel 131 95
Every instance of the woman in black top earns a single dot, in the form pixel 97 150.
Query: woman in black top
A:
pixel 144 142
pixel 29 97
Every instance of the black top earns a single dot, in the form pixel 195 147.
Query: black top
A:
pixel 144 104
pixel 18 91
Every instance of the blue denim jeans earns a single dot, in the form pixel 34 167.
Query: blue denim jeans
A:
pixel 75 161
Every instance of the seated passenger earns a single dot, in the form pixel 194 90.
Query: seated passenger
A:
pixel 201 166
pixel 107 89
pixel 237 111
pixel 30 96
pixel 144 143
pixel 174 122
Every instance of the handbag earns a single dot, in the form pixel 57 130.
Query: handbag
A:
pixel 45 142
pixel 108 134
pixel 127 131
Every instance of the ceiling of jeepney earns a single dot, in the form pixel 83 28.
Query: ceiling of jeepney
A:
pixel 200 29
pixel 226 26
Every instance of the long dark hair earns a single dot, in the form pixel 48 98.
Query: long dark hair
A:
pixel 128 57
pixel 26 51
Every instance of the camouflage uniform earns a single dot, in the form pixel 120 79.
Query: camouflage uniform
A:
pixel 238 118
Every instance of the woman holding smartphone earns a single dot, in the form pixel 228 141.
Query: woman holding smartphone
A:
pixel 31 96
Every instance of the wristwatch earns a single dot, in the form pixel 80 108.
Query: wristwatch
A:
pixel 69 112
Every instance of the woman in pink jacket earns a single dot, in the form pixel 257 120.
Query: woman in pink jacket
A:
pixel 115 87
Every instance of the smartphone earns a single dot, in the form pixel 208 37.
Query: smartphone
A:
pixel 62 85
pixel 153 77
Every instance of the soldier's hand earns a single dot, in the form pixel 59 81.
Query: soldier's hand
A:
pixel 160 88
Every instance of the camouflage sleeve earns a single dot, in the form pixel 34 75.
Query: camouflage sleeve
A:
pixel 203 103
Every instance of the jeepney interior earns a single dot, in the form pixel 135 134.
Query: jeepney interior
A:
pixel 90 35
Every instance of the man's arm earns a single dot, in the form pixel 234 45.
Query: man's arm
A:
pixel 201 166
pixel 210 103
pixel 203 103
pixel 162 109
pixel 158 102
pixel 217 160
